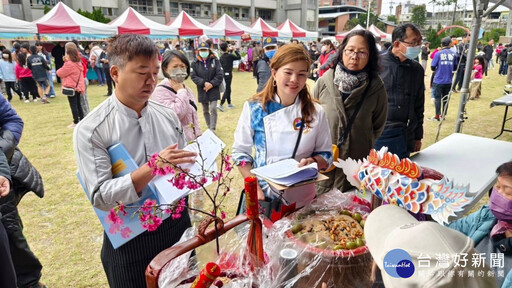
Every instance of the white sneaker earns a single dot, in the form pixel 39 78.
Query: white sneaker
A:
pixel 27 101
pixel 231 106
pixel 52 96
pixel 35 100
pixel 220 108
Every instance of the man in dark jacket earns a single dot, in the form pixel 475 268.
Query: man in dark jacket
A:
pixel 488 49
pixel 37 64
pixel 24 178
pixel 462 52
pixel 57 53
pixel 263 68
pixel 404 82
pixel 207 74
pixel 106 68
pixel 229 55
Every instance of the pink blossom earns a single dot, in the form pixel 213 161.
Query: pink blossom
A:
pixel 223 215
pixel 143 217
pixel 113 218
pixel 114 228
pixel 155 222
pixel 216 177
pixel 148 205
pixel 122 209
pixel 175 216
pixel 125 232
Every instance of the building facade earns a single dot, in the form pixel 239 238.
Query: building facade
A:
pixel 275 12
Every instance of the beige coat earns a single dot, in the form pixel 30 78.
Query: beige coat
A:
pixel 367 126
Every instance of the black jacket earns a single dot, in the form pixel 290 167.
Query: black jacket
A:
pixel 405 87
pixel 226 60
pixel 202 72
pixel 37 64
pixel 488 52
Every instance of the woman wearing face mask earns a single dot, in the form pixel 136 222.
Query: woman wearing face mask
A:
pixel 207 75
pixel 326 57
pixel 8 75
pixel 173 93
pixel 272 120
pixel 353 97
pixel 491 226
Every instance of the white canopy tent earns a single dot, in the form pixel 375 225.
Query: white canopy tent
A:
pixel 12 28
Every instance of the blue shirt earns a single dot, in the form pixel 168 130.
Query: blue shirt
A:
pixel 444 63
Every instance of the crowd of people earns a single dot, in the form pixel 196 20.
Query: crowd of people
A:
pixel 365 96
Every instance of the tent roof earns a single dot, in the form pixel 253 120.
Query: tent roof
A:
pixel 13 25
pixel 289 27
pixel 340 36
pixel 378 33
pixel 233 28
pixel 62 19
pixel 132 21
pixel 188 26
pixel 267 30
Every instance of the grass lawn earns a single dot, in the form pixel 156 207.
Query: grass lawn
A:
pixel 62 228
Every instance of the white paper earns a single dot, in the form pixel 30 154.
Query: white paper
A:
pixel 287 172
pixel 210 146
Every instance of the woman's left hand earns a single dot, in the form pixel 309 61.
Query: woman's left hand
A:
pixel 306 161
pixel 207 86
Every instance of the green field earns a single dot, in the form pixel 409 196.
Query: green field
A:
pixel 62 228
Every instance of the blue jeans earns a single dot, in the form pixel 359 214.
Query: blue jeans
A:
pixel 49 75
pixel 395 140
pixel 100 74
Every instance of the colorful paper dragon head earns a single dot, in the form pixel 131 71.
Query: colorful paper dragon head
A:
pixel 406 184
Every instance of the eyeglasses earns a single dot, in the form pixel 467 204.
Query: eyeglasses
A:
pixel 360 54
pixel 411 43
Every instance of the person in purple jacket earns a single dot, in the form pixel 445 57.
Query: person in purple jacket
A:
pixel 444 64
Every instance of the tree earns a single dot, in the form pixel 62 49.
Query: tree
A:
pixel 494 34
pixel 96 15
pixel 374 19
pixel 46 9
pixel 381 26
pixel 391 18
pixel 419 15
pixel 351 24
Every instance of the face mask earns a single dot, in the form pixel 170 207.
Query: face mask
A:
pixel 204 54
pixel 270 53
pixel 412 52
pixel 6 56
pixel 324 48
pixel 178 74
pixel 500 206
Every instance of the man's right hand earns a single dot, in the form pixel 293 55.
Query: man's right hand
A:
pixel 177 156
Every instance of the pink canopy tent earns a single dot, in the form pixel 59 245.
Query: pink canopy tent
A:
pixel 233 28
pixel 133 22
pixel 188 26
pixel 266 30
pixel 64 20
pixel 289 27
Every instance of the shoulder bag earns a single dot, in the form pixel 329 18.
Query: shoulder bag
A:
pixel 71 91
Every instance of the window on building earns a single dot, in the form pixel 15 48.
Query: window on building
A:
pixel 142 6
pixel 174 9
pixel 207 10
pixel 219 10
pixel 107 11
pixel 193 10
pixel 159 7
pixel 245 14
pixel 237 13
pixel 230 11
pixel 265 14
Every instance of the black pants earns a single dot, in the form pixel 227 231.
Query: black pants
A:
pixel 28 85
pixel 76 107
pixel 459 78
pixel 255 70
pixel 441 103
pixel 8 87
pixel 109 80
pixel 27 266
pixel 125 266
pixel 227 92
pixel 7 273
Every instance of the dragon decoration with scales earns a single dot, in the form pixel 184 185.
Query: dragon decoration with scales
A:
pixel 406 184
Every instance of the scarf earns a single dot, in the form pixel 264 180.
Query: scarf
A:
pixel 348 80
pixel 500 228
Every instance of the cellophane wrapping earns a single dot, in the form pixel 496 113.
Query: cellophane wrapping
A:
pixel 292 260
